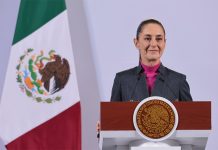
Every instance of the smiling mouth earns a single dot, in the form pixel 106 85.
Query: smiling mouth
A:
pixel 153 50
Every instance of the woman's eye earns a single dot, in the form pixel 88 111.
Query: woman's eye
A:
pixel 147 39
pixel 159 39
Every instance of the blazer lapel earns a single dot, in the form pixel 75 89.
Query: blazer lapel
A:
pixel 140 91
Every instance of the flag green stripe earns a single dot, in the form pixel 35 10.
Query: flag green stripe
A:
pixel 35 13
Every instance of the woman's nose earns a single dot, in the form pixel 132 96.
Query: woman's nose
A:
pixel 153 43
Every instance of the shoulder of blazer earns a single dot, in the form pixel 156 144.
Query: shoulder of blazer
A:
pixel 129 72
pixel 171 74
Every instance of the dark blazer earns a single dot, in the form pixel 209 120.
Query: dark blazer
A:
pixel 131 85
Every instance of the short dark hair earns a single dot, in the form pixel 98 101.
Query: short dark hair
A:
pixel 145 22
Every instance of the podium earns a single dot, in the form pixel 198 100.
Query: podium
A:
pixel 118 133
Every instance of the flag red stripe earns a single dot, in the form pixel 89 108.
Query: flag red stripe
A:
pixel 63 132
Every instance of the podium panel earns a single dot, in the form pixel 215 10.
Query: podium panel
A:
pixel 117 129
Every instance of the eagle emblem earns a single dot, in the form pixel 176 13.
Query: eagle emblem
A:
pixel 42 75
pixel 155 118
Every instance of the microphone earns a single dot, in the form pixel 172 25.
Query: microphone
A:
pixel 133 91
pixel 160 78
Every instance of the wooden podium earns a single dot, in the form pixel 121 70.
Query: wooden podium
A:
pixel 117 129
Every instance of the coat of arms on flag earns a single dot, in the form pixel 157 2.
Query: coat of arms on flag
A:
pixel 42 75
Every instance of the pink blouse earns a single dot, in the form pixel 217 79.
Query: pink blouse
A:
pixel 151 74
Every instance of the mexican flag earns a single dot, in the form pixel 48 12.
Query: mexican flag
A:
pixel 40 103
